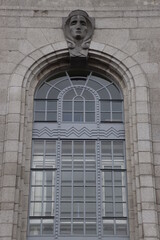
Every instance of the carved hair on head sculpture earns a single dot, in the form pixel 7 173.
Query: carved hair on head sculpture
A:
pixel 78 30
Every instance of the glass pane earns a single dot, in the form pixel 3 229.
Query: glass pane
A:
pixel 90 178
pixel 65 209
pixel 34 227
pixel 105 106
pixel 90 147
pixel 48 209
pixel 66 147
pixel 78 209
pixel 120 194
pixel 35 209
pixel 105 116
pixel 90 162
pixel 69 95
pixel 90 209
pixel 108 194
pixel 91 228
pixel 53 94
pixel 78 178
pixel 50 161
pixel 66 162
pixel 78 147
pixel 87 95
pixel 118 147
pixel 107 178
pixel 78 162
pixel 37 178
pixel 37 162
pixel 114 92
pixel 38 147
pixel 78 106
pixel 67 106
pixel 39 106
pixel 78 117
pixel 103 93
pixel 63 84
pixel 78 227
pixel 78 193
pixel 117 116
pixel 42 91
pixel 108 209
pixel 52 106
pixel 48 193
pixel 50 147
pixel 108 227
pixel 106 162
pixel 36 193
pixel 39 116
pixel 121 227
pixel 106 147
pixel 66 192
pixel 90 117
pixel 51 116
pixel 90 106
pixel 47 227
pixel 93 84
pixel 66 178
pixel 67 116
pixel 90 193
pixel 119 178
pixel 117 106
pixel 65 226
pixel 119 163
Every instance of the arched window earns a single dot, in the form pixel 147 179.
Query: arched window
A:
pixel 78 170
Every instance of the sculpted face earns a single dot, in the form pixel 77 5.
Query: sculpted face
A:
pixel 78 27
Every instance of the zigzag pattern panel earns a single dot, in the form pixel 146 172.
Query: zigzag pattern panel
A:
pixel 81 133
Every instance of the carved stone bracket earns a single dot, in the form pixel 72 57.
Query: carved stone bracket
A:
pixel 78 30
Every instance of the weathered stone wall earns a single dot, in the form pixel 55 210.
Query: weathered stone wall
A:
pixel 127 36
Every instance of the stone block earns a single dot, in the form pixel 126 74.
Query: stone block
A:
pixel 6 216
pixel 6 230
pixel 8 194
pixel 147 195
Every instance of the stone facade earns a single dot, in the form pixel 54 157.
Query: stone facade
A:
pixel 126 44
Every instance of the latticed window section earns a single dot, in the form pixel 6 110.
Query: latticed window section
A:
pixel 78 171
pixel 78 95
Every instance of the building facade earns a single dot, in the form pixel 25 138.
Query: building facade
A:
pixel 80 143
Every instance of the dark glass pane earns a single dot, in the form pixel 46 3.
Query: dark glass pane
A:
pixel 87 95
pixel 78 193
pixel 91 227
pixel 66 147
pixel 116 116
pixel 103 93
pixel 67 116
pixel 42 91
pixel 105 116
pixel 65 209
pixel 65 226
pixel 90 106
pixel 39 105
pixel 116 106
pixel 90 209
pixel 78 209
pixel 115 94
pixel 93 84
pixel 106 147
pixel 105 106
pixel 78 116
pixel 63 84
pixel 118 148
pixel 52 105
pixel 90 147
pixel 52 116
pixel 53 94
pixel 49 178
pixel 78 106
pixel 39 116
pixel 47 227
pixel 67 106
pixel 69 95
pixel 121 227
pixel 78 178
pixel 78 147
pixel 50 147
pixel 108 227
pixel 78 227
pixel 66 178
pixel 48 208
pixel 90 117
pixel 38 147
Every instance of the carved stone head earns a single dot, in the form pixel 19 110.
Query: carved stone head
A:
pixel 78 30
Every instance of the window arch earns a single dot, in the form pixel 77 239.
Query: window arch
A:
pixel 78 172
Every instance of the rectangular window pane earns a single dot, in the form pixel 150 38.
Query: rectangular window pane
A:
pixel 90 162
pixel 39 116
pixel 121 227
pixel 78 227
pixel 66 162
pixel 67 116
pixel 78 209
pixel 78 193
pixel 91 227
pixel 66 192
pixel 38 147
pixel 52 106
pixel 65 226
pixel 90 193
pixel 78 178
pixel 90 178
pixel 48 208
pixel 49 178
pixel 35 227
pixel 90 116
pixel 117 106
pixel 78 162
pixel 65 209
pixel 66 178
pixel 78 147
pixel 78 106
pixel 36 194
pixel 67 106
pixel 108 227
pixel 90 147
pixel 105 116
pixel 116 116
pixel 48 194
pixel 78 116
pixel 37 177
pixel 90 106
pixel 35 209
pixel 47 227
pixel 108 209
pixel 105 106
pixel 118 148
pixel 90 209
pixel 39 105
pixel 66 147
pixel 106 148
pixel 37 162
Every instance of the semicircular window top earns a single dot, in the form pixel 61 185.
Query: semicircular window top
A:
pixel 80 98
pixel 78 186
